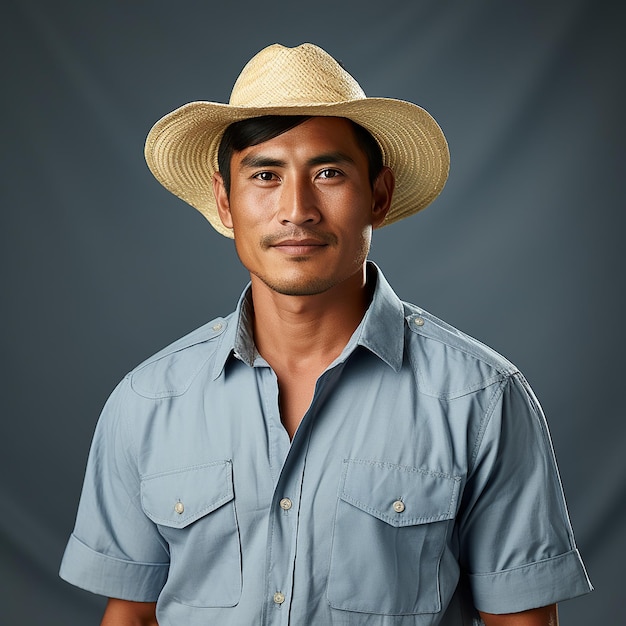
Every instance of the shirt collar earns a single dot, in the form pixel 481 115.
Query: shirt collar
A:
pixel 382 328
pixel 381 331
pixel 237 338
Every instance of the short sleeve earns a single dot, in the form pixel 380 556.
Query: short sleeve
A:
pixel 517 545
pixel 114 550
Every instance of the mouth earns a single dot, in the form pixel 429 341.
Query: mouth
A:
pixel 299 247
pixel 299 242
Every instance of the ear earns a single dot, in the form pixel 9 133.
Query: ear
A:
pixel 221 200
pixel 382 194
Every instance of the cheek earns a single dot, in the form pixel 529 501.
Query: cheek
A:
pixel 366 240
pixel 356 243
pixel 251 211
pixel 245 249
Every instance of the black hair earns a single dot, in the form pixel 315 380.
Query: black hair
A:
pixel 255 130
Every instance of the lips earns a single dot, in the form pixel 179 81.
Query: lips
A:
pixel 299 247
pixel 298 242
pixel 291 243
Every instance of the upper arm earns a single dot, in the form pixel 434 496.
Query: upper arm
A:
pixel 544 616
pixel 127 613
pixel 516 542
pixel 115 550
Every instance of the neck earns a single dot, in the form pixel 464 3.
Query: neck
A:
pixel 298 330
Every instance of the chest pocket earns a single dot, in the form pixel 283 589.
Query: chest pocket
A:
pixel 390 533
pixel 194 510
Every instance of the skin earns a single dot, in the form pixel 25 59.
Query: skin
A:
pixel 302 211
pixel 125 613
pixel 544 616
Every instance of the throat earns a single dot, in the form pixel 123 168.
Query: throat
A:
pixel 295 397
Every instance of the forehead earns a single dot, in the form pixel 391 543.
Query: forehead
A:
pixel 326 134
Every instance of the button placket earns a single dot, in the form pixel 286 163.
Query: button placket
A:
pixel 283 527
pixel 284 535
pixel 285 539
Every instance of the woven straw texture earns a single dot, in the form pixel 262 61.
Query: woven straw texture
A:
pixel 181 148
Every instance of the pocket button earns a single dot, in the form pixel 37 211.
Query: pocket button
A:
pixel 398 506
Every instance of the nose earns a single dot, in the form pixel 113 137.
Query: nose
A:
pixel 298 203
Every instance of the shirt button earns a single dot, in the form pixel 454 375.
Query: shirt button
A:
pixel 285 504
pixel 217 327
pixel 398 506
pixel 279 597
pixel 418 321
pixel 179 507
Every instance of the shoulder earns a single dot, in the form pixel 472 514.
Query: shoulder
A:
pixel 171 371
pixel 449 362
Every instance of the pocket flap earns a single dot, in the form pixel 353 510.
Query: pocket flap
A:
pixel 182 496
pixel 399 494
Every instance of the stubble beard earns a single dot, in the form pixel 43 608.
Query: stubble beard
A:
pixel 303 285
pixel 307 285
pixel 311 286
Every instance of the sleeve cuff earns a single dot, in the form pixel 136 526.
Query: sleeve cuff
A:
pixel 111 577
pixel 531 586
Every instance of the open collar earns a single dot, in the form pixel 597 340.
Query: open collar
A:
pixel 381 331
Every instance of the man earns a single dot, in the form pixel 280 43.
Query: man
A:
pixel 327 454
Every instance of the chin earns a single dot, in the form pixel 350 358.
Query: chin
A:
pixel 299 287
pixel 309 289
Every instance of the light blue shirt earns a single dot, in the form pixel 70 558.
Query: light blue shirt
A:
pixel 420 483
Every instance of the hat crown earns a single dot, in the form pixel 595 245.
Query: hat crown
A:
pixel 281 76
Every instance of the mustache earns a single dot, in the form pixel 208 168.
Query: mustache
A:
pixel 267 241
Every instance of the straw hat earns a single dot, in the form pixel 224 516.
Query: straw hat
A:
pixel 181 148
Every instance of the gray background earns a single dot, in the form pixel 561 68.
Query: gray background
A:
pixel 101 267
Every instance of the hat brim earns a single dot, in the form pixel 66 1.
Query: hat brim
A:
pixel 181 149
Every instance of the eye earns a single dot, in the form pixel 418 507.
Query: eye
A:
pixel 329 173
pixel 265 176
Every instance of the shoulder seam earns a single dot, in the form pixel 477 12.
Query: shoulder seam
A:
pixel 218 325
pixel 500 363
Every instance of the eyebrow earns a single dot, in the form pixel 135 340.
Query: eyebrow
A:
pixel 330 157
pixel 254 161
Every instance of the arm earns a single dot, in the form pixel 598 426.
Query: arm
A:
pixel 126 613
pixel 545 616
